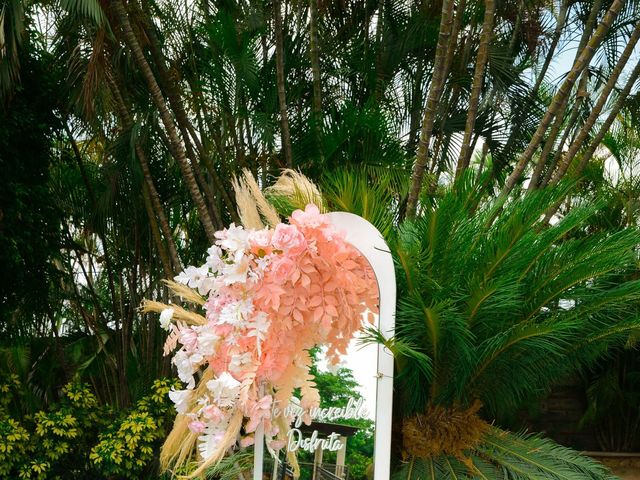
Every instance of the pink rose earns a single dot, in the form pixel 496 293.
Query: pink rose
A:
pixel 197 426
pixel 310 217
pixel 282 268
pixel 289 239
pixel 260 242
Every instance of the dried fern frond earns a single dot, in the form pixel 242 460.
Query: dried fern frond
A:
pixel 267 210
pixel 185 293
pixel 247 206
pixel 179 313
pixel 297 190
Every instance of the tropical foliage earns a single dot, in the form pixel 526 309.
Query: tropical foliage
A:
pixel 494 143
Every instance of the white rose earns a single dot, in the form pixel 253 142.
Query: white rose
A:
pixel 165 317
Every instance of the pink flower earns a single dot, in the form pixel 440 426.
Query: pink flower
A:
pixel 277 444
pixel 212 412
pixel 260 242
pixel 310 217
pixel 282 268
pixel 258 411
pixel 289 239
pixel 197 426
pixel 247 441
pixel 189 338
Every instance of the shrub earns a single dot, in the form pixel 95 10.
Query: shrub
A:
pixel 79 438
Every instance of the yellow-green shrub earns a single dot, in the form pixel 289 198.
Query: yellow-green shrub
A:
pixel 78 438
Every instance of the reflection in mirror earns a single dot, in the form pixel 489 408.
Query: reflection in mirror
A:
pixel 339 442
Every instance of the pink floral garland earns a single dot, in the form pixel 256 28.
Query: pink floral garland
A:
pixel 272 295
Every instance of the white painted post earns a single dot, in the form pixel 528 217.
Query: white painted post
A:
pixel 341 457
pixel 258 455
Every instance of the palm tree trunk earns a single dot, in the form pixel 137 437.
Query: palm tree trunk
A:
pixel 168 83
pixel 154 196
pixel 379 86
pixel 562 18
pixel 476 89
pixel 431 108
pixel 597 109
pixel 315 71
pixel 570 127
pixel 595 142
pixel 167 120
pixel 579 65
pixel 555 130
pixel 282 96
pixel 315 57
pixel 155 234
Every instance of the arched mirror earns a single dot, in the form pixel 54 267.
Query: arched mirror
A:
pixel 361 389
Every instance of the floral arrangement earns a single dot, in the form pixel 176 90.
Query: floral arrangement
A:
pixel 267 297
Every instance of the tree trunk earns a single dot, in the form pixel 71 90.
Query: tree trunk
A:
pixel 555 129
pixel 154 196
pixel 604 128
pixel 578 142
pixel 282 96
pixel 315 71
pixel 168 82
pixel 431 108
pixel 580 64
pixel 167 120
pixel 155 234
pixel 476 89
pixel 379 86
pixel 562 18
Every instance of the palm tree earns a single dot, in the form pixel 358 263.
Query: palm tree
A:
pixel 492 312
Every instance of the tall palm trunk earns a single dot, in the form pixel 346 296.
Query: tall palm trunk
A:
pixel 476 89
pixel 379 86
pixel 168 85
pixel 282 95
pixel 167 120
pixel 167 268
pixel 557 33
pixel 597 139
pixel 431 108
pixel 579 65
pixel 555 130
pixel 568 131
pixel 151 191
pixel 578 142
pixel 315 71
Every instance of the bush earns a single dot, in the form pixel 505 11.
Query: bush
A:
pixel 78 438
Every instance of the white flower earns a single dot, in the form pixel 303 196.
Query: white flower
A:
pixel 191 276
pixel 236 313
pixel 206 284
pixel 233 239
pixel 207 341
pixel 180 398
pixel 236 271
pixel 209 440
pixel 224 390
pixel 187 366
pixel 165 317
pixel 239 361
pixel 214 262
